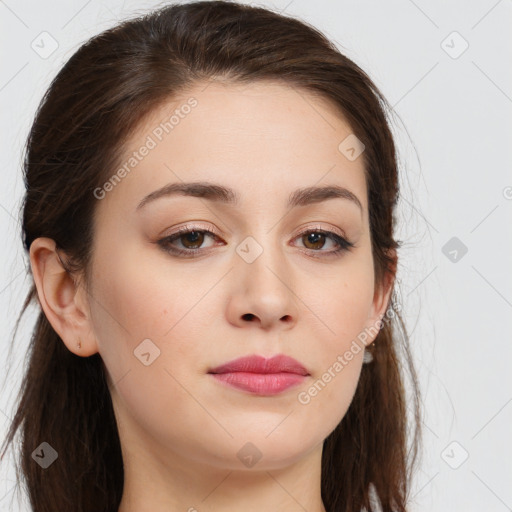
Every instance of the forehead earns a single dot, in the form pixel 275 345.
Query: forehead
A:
pixel 262 138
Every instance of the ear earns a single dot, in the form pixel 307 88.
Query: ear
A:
pixel 63 301
pixel 381 298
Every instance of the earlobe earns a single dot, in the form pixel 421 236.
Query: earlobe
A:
pixel 59 298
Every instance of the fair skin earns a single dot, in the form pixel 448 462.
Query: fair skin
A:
pixel 180 429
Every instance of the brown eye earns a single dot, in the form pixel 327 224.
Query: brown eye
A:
pixel 313 240
pixel 192 239
pixel 316 242
pixel 187 242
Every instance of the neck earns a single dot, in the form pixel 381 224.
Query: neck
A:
pixel 163 483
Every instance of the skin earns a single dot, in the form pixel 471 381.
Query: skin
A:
pixel 180 429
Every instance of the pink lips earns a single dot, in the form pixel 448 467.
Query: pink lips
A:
pixel 261 376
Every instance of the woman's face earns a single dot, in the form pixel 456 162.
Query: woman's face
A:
pixel 166 311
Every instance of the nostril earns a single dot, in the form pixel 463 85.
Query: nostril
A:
pixel 248 316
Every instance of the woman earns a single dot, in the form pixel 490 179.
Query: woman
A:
pixel 209 223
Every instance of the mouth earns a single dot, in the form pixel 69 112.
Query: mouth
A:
pixel 258 375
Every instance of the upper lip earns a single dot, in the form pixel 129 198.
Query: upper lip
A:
pixel 258 364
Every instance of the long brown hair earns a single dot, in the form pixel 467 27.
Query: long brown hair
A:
pixel 98 98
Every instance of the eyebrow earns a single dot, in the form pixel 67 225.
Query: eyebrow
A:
pixel 219 193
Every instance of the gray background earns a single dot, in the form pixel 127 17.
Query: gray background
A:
pixel 453 130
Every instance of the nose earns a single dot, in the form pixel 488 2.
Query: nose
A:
pixel 262 293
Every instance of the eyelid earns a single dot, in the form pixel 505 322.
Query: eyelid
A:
pixel 191 226
pixel 320 227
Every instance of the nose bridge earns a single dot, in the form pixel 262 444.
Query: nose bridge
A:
pixel 263 271
pixel 261 251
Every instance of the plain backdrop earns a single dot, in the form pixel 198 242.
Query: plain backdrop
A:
pixel 445 69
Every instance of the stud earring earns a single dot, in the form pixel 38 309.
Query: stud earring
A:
pixel 367 356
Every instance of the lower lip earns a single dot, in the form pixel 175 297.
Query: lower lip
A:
pixel 260 383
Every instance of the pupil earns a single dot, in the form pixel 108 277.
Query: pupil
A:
pixel 314 238
pixel 192 238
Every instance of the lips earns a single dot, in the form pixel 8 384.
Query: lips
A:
pixel 259 375
pixel 258 364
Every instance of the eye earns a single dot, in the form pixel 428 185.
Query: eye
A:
pixel 192 239
pixel 315 240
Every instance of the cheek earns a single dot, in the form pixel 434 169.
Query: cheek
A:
pixel 343 305
pixel 343 310
pixel 138 296
pixel 136 301
pixel 144 297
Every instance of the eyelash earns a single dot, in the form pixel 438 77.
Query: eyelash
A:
pixel 165 243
